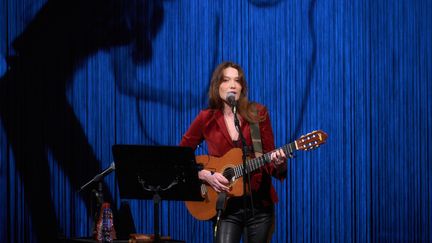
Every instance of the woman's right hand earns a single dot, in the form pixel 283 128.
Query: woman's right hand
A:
pixel 215 179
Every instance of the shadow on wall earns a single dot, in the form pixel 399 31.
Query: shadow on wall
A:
pixel 34 110
pixel 2 65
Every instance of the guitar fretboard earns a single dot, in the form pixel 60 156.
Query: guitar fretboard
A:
pixel 257 163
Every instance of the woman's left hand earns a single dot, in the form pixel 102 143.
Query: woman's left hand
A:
pixel 278 157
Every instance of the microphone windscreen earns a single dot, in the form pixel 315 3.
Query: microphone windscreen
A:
pixel 231 99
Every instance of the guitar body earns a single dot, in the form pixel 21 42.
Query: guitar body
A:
pixel 206 209
pixel 230 165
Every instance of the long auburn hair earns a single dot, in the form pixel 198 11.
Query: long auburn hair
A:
pixel 245 108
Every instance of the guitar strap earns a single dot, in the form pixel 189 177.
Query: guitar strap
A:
pixel 257 146
pixel 256 136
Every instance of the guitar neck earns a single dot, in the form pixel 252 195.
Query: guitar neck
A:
pixel 257 163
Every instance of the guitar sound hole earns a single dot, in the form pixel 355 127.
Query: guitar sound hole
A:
pixel 229 174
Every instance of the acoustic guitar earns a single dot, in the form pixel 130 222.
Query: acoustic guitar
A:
pixel 231 166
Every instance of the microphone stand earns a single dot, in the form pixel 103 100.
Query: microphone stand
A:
pixel 99 192
pixel 245 172
pixel 220 207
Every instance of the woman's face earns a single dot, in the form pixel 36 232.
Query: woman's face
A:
pixel 230 83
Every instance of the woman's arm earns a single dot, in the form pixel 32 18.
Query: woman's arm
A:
pixel 193 137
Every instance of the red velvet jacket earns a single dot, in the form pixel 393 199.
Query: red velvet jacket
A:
pixel 210 126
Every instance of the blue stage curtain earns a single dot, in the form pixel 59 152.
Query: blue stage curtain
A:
pixel 137 72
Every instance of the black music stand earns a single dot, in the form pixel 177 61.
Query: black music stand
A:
pixel 157 172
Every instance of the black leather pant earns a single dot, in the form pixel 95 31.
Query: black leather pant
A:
pixel 259 226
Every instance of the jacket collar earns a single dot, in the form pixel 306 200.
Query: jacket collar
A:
pixel 223 127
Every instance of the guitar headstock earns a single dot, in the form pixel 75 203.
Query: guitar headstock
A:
pixel 311 140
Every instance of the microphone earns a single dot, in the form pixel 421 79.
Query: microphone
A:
pixel 98 177
pixel 108 170
pixel 220 207
pixel 230 97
